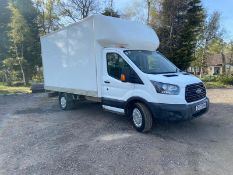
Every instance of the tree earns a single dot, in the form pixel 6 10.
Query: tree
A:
pixel 31 49
pixel 231 52
pixel 136 11
pixel 109 10
pixel 9 70
pixel 48 17
pixel 180 23
pixel 210 32
pixel 4 20
pixel 78 9
pixel 141 10
pixel 18 34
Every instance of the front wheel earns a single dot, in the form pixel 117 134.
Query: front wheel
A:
pixel 141 117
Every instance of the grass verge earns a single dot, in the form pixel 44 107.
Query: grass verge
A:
pixel 212 85
pixel 12 90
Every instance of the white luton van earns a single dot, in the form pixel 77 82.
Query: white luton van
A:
pixel 115 62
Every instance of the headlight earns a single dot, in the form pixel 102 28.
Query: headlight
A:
pixel 164 88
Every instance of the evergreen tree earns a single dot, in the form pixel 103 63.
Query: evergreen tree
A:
pixel 4 20
pixel 110 12
pixel 179 26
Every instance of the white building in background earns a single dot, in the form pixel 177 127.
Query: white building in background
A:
pixel 215 65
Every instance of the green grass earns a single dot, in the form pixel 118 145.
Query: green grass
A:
pixel 211 85
pixel 4 89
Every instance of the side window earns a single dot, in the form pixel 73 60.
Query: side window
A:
pixel 115 65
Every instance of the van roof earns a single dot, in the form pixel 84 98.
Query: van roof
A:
pixel 114 32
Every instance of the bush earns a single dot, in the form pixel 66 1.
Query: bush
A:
pixel 17 84
pixel 209 78
pixel 38 77
pixel 210 85
pixel 218 81
pixel 226 79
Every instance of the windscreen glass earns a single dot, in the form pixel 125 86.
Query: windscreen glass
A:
pixel 151 62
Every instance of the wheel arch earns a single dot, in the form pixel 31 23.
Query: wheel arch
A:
pixel 133 100
pixel 74 96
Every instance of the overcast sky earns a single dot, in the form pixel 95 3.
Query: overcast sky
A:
pixel 225 7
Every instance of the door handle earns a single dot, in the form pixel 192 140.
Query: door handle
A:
pixel 107 82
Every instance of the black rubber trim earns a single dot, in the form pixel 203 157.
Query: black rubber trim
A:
pixel 114 103
pixel 120 103
pixel 135 98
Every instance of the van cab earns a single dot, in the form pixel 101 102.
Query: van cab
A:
pixel 139 82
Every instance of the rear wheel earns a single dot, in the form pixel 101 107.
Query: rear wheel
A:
pixel 66 101
pixel 141 117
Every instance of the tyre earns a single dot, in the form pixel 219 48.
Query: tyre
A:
pixel 141 117
pixel 66 101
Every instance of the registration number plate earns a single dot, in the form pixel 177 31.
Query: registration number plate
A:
pixel 201 106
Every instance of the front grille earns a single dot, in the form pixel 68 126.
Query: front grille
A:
pixel 195 92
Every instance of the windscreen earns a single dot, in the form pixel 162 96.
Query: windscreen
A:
pixel 151 62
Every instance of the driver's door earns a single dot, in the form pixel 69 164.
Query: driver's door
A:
pixel 114 91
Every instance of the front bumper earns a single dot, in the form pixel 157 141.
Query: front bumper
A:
pixel 177 112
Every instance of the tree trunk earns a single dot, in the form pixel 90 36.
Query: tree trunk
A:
pixel 148 11
pixel 6 77
pixel 23 74
pixel 202 65
pixel 111 7
pixel 223 63
pixel 21 67
pixel 201 72
pixel 204 60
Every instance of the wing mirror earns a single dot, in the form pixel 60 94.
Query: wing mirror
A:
pixel 130 76
pixel 123 77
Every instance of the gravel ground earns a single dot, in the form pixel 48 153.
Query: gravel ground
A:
pixel 36 137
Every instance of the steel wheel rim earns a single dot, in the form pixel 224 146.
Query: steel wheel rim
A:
pixel 63 102
pixel 137 117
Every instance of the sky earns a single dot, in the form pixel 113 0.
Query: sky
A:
pixel 225 7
